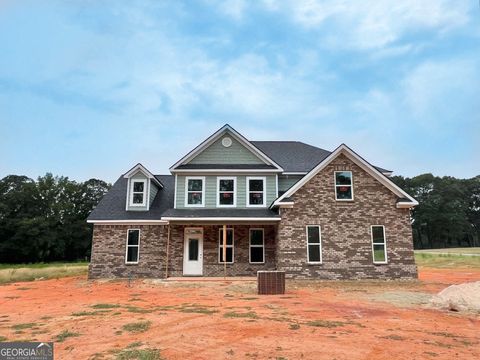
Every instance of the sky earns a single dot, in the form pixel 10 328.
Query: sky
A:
pixel 90 88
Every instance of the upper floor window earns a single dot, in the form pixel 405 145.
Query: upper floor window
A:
pixel 256 191
pixel 138 192
pixel 195 191
pixel 379 245
pixel 343 185
pixel 133 246
pixel 226 191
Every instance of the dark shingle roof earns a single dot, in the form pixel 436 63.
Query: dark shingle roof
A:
pixel 295 156
pixel 217 213
pixel 112 205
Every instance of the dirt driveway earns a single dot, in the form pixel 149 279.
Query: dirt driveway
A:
pixel 322 320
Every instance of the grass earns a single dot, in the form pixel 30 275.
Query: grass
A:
pixel 23 326
pixel 137 327
pixel 65 334
pixel 29 272
pixel 446 261
pixel 105 306
pixel 139 354
pixel 325 323
pixel 233 314
pixel 3 338
pixel 90 313
pixel 458 251
pixel 198 310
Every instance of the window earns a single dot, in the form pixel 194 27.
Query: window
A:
pixel 229 256
pixel 379 245
pixel 138 189
pixel 195 188
pixel 226 191
pixel 133 246
pixel 257 246
pixel 314 245
pixel 343 185
pixel 256 191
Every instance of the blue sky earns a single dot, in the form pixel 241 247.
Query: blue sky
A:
pixel 90 88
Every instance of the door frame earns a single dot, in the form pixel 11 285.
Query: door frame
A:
pixel 198 236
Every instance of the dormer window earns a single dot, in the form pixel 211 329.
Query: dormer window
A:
pixel 195 191
pixel 343 186
pixel 138 192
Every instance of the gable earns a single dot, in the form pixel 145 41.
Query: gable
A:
pixel 404 199
pixel 226 147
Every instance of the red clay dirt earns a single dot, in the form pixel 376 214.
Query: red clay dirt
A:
pixel 227 320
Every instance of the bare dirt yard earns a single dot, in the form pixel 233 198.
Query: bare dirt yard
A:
pixel 227 320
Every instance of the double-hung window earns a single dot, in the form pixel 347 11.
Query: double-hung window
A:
pixel 229 247
pixel 379 244
pixel 256 191
pixel 226 191
pixel 343 185
pixel 314 244
pixel 194 191
pixel 257 246
pixel 138 192
pixel 133 246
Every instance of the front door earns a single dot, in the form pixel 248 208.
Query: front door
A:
pixel 193 252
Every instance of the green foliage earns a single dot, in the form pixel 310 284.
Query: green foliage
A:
pixel 44 220
pixel 449 210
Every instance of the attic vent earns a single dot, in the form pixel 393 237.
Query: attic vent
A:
pixel 226 141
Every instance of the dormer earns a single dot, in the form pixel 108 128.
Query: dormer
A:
pixel 142 187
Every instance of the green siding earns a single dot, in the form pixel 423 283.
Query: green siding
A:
pixel 216 153
pixel 153 192
pixel 211 190
pixel 286 181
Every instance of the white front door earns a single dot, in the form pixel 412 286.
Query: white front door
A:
pixel 193 252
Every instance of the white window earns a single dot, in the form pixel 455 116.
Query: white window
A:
pixel 227 191
pixel 314 244
pixel 138 192
pixel 343 185
pixel 379 244
pixel 229 247
pixel 133 246
pixel 256 192
pixel 257 246
pixel 194 191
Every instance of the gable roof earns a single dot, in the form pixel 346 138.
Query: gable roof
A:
pixel 406 199
pixel 215 136
pixel 144 170
pixel 296 156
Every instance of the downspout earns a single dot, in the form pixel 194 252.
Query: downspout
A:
pixel 168 247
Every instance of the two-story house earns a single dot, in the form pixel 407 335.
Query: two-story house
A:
pixel 233 206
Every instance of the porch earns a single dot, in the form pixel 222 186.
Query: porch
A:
pixel 196 250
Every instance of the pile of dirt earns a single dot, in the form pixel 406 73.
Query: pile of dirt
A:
pixel 463 297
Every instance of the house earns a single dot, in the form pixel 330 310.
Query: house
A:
pixel 233 207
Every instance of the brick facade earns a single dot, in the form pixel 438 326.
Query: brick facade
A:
pixel 345 228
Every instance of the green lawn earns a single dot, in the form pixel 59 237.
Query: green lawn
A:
pixel 29 272
pixel 458 251
pixel 447 261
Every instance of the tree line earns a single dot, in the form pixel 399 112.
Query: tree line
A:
pixel 448 214
pixel 44 220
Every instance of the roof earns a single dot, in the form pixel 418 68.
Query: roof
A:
pixel 296 156
pixel 220 213
pixel 112 205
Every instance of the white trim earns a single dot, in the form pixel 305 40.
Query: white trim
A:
pixel 276 185
pixel 127 246
pixel 144 170
pixel 175 194
pixel 204 183
pixel 167 218
pixel 384 245
pixel 335 184
pixel 256 246
pixel 319 244
pixel 220 245
pixel 217 192
pixel 128 222
pixel 344 149
pixel 216 135
pixel 222 171
pixel 146 191
pixel 247 187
